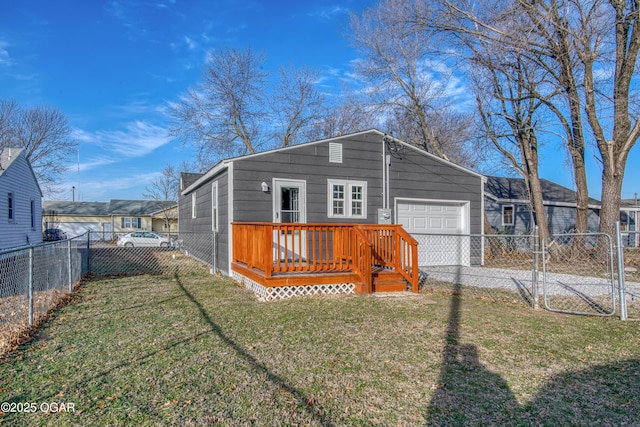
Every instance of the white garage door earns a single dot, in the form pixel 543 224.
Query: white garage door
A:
pixel 438 228
pixel 74 229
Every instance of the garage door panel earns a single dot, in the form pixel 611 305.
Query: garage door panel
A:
pixel 444 221
pixel 452 223
pixel 78 228
pixel 434 224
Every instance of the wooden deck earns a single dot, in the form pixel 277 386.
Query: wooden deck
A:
pixel 374 258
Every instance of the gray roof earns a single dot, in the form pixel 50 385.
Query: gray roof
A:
pixel 188 178
pixel 112 207
pixel 630 203
pixel 515 189
pixel 7 156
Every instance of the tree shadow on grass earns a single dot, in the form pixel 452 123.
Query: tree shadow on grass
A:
pixel 468 394
pixel 303 401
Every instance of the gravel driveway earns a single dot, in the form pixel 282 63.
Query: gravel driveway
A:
pixel 517 280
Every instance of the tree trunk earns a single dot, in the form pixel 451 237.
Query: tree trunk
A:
pixel 537 204
pixel 610 211
pixel 496 245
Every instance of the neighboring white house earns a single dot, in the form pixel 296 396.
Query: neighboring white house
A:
pixel 20 201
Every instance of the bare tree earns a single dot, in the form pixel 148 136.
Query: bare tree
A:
pixel 44 133
pixel 222 115
pixel 296 104
pixel 508 112
pixel 164 190
pixel 576 42
pixel 349 114
pixel 407 82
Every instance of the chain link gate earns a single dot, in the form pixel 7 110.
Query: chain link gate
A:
pixel 578 274
pixel 628 248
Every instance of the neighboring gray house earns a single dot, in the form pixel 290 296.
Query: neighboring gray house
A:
pixel 21 223
pixel 508 210
pixel 629 215
pixel 365 177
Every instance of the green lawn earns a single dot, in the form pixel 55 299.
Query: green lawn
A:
pixel 199 350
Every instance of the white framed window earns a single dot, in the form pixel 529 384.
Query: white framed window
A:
pixel 132 222
pixel 214 206
pixel 346 199
pixel 193 205
pixel 508 215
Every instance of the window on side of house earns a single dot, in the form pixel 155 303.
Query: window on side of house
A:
pixel 347 199
pixel 132 223
pixel 33 214
pixel 214 206
pixel 193 205
pixel 508 215
pixel 10 206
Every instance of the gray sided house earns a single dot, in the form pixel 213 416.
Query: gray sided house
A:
pixel 361 178
pixel 508 209
pixel 21 223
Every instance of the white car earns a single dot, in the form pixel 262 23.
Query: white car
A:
pixel 143 239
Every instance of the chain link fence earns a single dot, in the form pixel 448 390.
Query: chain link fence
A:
pixel 143 252
pixel 591 274
pixel 631 273
pixel 579 275
pixel 496 267
pixel 35 279
pixel 572 273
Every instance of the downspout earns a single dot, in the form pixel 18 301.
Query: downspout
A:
pixel 384 174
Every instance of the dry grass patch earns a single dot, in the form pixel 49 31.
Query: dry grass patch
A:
pixel 199 350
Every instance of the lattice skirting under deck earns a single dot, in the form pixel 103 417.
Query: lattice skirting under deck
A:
pixel 265 293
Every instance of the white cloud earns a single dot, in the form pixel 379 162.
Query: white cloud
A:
pixel 137 139
pixel 328 12
pixel 125 187
pixel 5 59
pixel 190 43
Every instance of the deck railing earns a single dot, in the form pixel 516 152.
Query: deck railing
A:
pixel 394 247
pixel 278 248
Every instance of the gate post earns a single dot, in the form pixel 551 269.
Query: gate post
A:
pixel 535 274
pixel 620 266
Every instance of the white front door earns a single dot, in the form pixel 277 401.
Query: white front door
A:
pixel 289 206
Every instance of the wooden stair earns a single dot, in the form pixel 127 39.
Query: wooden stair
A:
pixel 388 281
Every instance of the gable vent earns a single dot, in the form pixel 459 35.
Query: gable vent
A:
pixel 335 152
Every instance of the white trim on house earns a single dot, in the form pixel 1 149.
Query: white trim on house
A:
pixel 276 183
pixel 230 216
pixel 439 159
pixel 347 198
pixel 225 163
pixel 215 224
pixel 465 211
pixel 545 202
pixel 513 215
pixel 210 174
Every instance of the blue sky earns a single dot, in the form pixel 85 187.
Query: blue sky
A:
pixel 113 66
